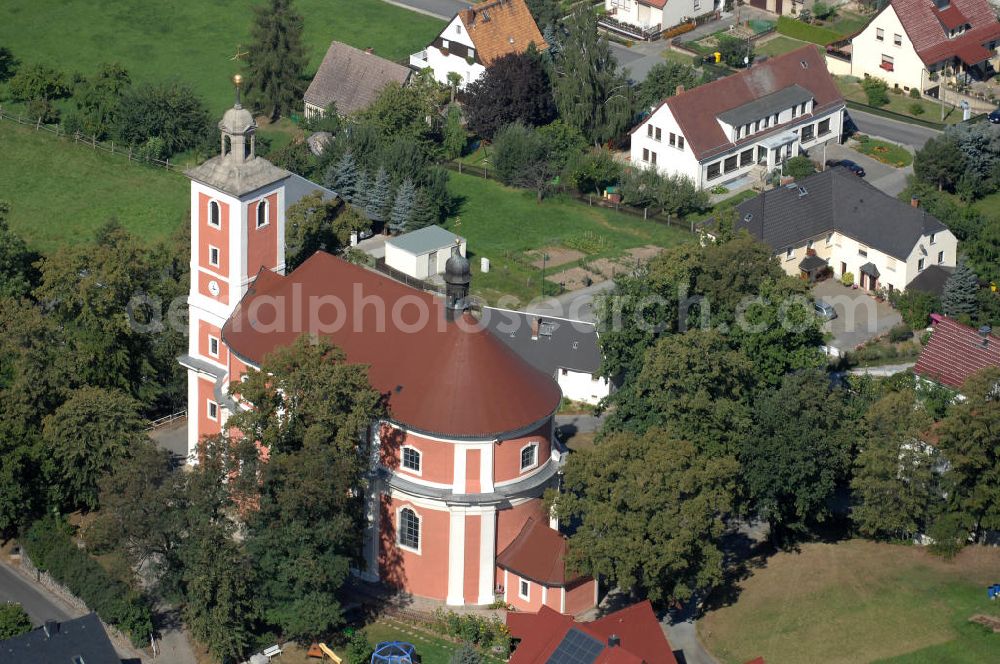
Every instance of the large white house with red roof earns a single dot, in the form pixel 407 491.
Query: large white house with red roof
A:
pixel 915 43
pixel 750 121
pixel 476 37
pixel 460 462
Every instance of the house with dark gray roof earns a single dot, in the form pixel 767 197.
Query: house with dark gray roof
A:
pixel 835 219
pixel 568 350
pixel 81 640
pixel 350 79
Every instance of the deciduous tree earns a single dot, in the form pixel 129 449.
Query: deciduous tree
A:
pixel 650 512
pixel 521 158
pixel 170 112
pixel 662 81
pixel 940 162
pixel 514 88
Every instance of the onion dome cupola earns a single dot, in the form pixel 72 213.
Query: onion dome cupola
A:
pixel 457 277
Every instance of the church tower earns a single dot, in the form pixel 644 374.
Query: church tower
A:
pixel 237 229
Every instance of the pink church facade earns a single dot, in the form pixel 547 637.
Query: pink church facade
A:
pixel 468 448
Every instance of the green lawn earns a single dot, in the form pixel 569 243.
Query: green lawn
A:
pixel 887 153
pixel 779 45
pixel 61 192
pixel 807 32
pixel 430 648
pixel 679 57
pixel 859 601
pixel 194 41
pixel 502 223
pixel 848 23
pixel 899 103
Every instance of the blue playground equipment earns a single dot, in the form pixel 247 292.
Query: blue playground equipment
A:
pixel 993 592
pixel 394 652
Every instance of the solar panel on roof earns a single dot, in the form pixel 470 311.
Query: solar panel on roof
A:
pixel 576 648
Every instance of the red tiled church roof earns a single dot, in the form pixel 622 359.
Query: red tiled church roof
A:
pixel 641 639
pixel 927 27
pixel 955 352
pixel 696 110
pixel 538 553
pixel 439 377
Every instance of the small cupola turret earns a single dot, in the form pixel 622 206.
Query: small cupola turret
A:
pixel 237 128
pixel 457 277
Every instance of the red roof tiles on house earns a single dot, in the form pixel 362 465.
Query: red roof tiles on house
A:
pixel 927 27
pixel 659 4
pixel 955 352
pixel 641 638
pixel 501 27
pixel 696 110
pixel 538 553
pixel 441 378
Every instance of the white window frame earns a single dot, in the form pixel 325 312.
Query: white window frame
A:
pixel 940 257
pixel 829 239
pixel 524 583
pixel 420 459
pixel 213 340
pixel 932 239
pixel 789 253
pixel 218 256
pixel 209 405
pixel 218 207
pixel 267 214
pixel 520 457
pixel 445 43
pixel 920 265
pixel 879 34
pixel 399 529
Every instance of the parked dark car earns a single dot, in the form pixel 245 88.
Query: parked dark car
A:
pixel 852 166
pixel 995 116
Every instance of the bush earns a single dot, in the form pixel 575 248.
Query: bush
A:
pixel 915 307
pixel 847 279
pixel 486 633
pixel 876 90
pixel 900 332
pixel 14 621
pixel 359 650
pixel 171 112
pixel 735 51
pixel 38 82
pixel 916 109
pixel 914 93
pixel 799 167
pixel 49 545
pixel 823 11
pixel 593 172
pixel 466 654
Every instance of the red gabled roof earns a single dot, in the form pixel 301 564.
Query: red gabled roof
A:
pixel 538 553
pixel 501 27
pixel 696 110
pixel 439 377
pixel 927 27
pixel 955 352
pixel 641 638
pixel 659 4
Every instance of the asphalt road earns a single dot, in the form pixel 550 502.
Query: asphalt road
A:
pixel 892 130
pixel 40 607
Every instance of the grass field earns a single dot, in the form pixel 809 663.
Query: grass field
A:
pixel 61 192
pixel 806 32
pixel 859 601
pixel 887 153
pixel 851 89
pixel 779 45
pixel 502 223
pixel 194 41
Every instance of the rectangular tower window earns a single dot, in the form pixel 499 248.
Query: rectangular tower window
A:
pixel 213 346
pixel 524 590
pixel 213 410
pixel 213 256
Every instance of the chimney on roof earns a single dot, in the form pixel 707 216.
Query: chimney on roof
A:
pixel 51 627
pixel 534 328
pixel 614 641
pixel 369 50
pixel 914 201
pixel 680 89
pixel 984 332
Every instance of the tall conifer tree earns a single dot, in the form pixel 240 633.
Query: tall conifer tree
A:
pixel 276 59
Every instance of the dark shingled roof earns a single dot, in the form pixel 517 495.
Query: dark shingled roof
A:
pixel 352 78
pixel 931 280
pixel 955 352
pixel 561 344
pixel 767 105
pixel 812 262
pixel 835 200
pixel 81 637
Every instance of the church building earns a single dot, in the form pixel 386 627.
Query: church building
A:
pixel 467 448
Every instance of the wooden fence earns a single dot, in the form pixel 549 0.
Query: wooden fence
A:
pixel 88 141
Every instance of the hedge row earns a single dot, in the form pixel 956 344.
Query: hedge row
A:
pixel 51 549
pixel 489 633
pixel 806 32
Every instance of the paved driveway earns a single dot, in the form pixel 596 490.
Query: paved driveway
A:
pixel 886 178
pixel 859 316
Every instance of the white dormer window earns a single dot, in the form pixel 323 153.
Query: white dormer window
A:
pixel 529 456
pixel 411 459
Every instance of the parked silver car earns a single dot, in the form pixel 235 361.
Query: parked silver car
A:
pixel 824 310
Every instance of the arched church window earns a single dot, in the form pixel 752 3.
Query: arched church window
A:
pixel 227 145
pixel 214 215
pixel 262 213
pixel 409 529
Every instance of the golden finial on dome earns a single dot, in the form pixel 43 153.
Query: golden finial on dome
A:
pixel 237 80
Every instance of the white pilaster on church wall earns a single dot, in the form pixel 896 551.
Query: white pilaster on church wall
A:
pixel 456 558
pixel 487 555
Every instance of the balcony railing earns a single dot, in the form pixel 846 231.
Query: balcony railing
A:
pixel 650 33
pixel 419 60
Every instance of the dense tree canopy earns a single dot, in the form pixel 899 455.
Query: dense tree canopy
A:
pixel 650 511
pixel 277 58
pixel 313 224
pixel 514 88
pixel 662 81
pixel 170 112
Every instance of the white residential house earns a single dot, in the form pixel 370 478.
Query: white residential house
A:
pixel 742 125
pixel 476 37
pixel 422 253
pixel 917 43
pixel 836 220
pixel 655 15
